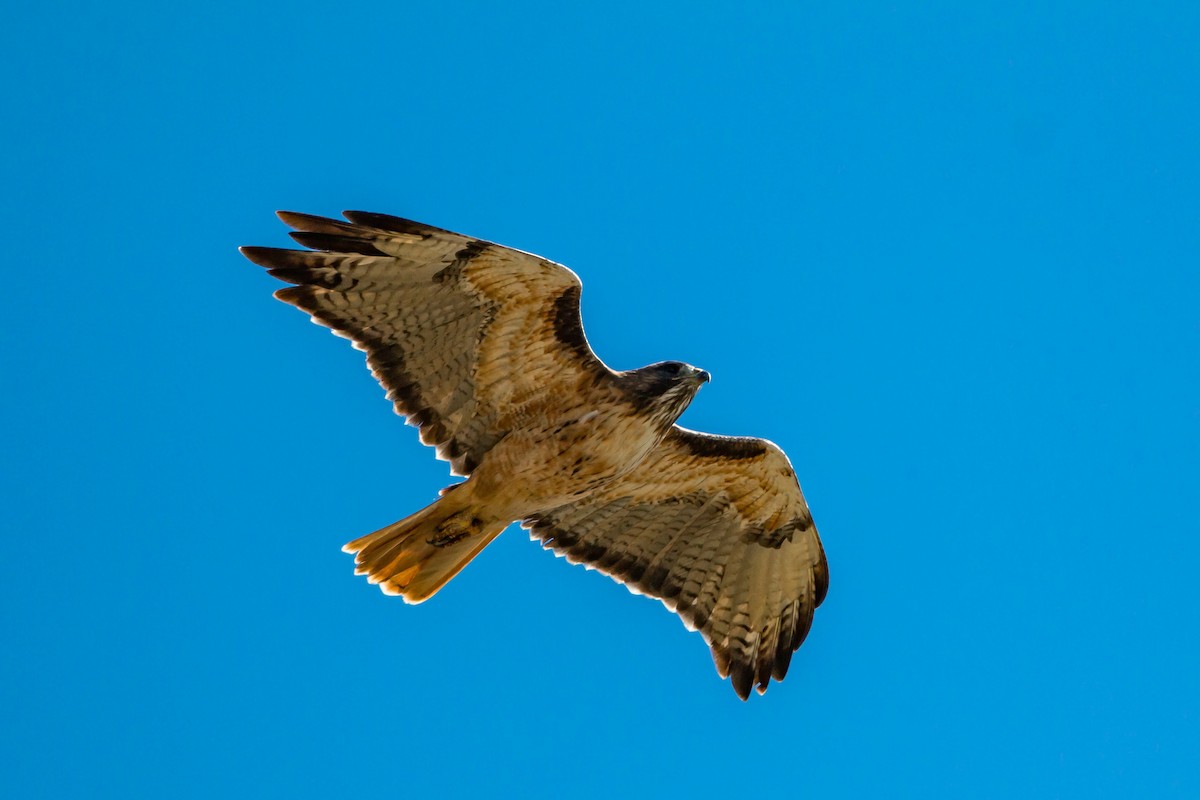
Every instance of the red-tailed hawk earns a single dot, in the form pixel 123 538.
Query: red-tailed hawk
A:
pixel 482 348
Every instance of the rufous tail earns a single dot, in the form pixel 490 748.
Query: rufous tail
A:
pixel 419 554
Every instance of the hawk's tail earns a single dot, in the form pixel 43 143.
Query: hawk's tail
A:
pixel 419 554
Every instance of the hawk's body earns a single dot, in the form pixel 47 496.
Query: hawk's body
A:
pixel 482 347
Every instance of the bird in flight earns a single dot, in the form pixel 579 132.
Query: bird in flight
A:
pixel 481 347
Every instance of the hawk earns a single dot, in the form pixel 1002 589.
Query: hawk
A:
pixel 481 347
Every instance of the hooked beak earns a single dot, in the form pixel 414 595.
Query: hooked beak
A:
pixel 702 376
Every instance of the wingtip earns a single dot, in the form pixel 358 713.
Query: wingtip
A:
pixel 742 678
pixel 393 224
pixel 368 218
pixel 307 222
pixel 262 256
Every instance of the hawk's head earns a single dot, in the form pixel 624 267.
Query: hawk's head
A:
pixel 663 389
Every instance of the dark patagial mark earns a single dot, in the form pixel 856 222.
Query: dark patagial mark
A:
pixel 731 447
pixel 568 326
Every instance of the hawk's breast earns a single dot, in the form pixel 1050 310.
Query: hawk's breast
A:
pixel 569 456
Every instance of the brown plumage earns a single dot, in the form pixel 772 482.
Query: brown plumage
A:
pixel 482 348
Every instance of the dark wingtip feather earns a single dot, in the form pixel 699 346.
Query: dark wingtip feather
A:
pixel 313 223
pixel 335 243
pixel 386 222
pixel 783 648
pixel 265 256
pixel 763 674
pixel 294 219
pixel 294 266
pixel 742 678
pixel 299 296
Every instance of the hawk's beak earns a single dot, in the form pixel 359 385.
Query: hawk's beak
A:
pixel 702 376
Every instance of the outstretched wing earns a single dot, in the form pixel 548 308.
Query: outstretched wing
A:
pixel 464 334
pixel 717 528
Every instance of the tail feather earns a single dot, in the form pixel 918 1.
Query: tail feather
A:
pixel 425 582
pixel 418 555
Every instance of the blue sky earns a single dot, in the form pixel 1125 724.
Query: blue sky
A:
pixel 947 258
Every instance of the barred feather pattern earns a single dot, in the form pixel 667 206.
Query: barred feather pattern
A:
pixel 463 334
pixel 716 528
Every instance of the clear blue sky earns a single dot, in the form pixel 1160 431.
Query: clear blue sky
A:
pixel 948 259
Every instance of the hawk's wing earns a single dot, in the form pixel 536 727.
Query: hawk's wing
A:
pixel 717 528
pixel 464 334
